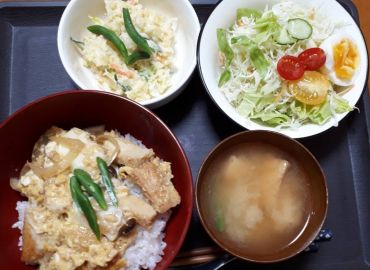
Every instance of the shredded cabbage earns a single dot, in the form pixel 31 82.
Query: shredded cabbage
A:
pixel 250 81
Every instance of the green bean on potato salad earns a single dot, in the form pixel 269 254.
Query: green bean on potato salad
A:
pixel 252 79
pixel 130 50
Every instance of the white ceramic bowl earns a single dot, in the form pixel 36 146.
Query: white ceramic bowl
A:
pixel 75 19
pixel 224 15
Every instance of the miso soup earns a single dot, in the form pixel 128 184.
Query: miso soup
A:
pixel 258 198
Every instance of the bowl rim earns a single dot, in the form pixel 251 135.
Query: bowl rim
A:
pixel 205 223
pixel 243 126
pixel 181 237
pixel 153 102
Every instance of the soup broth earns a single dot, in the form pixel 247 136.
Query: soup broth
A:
pixel 258 198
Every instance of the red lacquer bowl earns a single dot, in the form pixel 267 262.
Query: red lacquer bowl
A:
pixel 82 109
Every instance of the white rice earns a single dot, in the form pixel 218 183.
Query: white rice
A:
pixel 21 208
pixel 132 139
pixel 148 247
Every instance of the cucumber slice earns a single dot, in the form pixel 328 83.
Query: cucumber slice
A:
pixel 283 37
pixel 299 28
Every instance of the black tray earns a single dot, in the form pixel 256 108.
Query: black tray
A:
pixel 31 68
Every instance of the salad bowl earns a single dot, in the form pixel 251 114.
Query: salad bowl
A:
pixel 211 61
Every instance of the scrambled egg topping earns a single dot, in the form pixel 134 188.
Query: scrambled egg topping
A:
pixel 56 234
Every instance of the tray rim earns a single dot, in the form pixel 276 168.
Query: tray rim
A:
pixel 14 4
pixel 63 3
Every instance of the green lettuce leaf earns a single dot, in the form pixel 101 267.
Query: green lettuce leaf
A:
pixel 267 23
pixel 247 104
pixel 341 105
pixel 248 12
pixel 320 114
pixel 256 55
pixel 225 77
pixel 225 48
pixel 266 26
pixel 271 118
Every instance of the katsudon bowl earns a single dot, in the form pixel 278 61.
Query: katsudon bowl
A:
pixel 83 109
pixel 261 196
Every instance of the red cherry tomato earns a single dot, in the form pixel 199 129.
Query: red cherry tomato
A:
pixel 313 58
pixel 290 68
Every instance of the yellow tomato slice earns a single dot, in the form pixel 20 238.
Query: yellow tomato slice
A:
pixel 311 89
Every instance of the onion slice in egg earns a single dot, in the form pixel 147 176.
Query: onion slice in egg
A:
pixel 106 137
pixel 74 146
